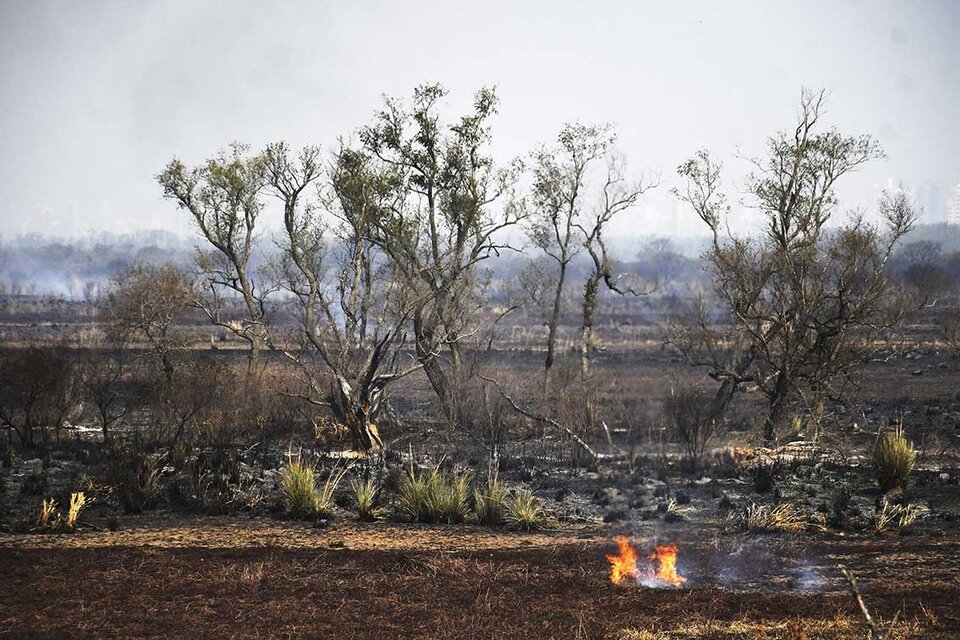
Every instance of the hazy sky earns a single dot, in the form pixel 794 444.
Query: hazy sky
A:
pixel 97 96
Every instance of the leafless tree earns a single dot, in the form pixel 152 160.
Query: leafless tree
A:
pixel 102 372
pixel 806 303
pixel 448 217
pixel 38 391
pixel 224 198
pixel 146 302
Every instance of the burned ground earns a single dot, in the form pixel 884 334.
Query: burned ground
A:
pixel 243 577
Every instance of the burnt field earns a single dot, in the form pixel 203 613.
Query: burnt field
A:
pixel 400 387
pixel 250 578
pixel 179 569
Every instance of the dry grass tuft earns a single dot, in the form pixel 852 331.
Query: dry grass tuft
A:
pixel 49 517
pixel 299 488
pixel 78 502
pixel 435 498
pixel 490 501
pixel 526 511
pixel 301 497
pixel 894 457
pixel 783 517
pixel 367 494
pixel 897 516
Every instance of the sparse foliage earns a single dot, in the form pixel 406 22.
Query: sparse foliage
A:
pixel 450 214
pixel 807 303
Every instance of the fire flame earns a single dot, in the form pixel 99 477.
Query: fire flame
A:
pixel 660 569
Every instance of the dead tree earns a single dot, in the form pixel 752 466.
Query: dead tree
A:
pixel 448 216
pixel 805 303
pixel 146 302
pixel 224 198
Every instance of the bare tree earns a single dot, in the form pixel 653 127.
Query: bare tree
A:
pixel 441 225
pixel 352 311
pixel 146 302
pixel 224 197
pixel 102 373
pixel 38 391
pixel 806 303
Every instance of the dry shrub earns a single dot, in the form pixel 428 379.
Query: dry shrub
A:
pixel 687 412
pixel 783 517
pixel 894 457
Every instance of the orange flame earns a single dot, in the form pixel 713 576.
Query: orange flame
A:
pixel 661 569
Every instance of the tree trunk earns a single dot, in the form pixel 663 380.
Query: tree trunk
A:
pixel 555 319
pixel 590 293
pixel 357 415
pixel 778 407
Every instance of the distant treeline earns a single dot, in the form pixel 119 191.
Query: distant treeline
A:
pixel 77 269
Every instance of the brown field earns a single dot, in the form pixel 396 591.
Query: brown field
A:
pixel 256 578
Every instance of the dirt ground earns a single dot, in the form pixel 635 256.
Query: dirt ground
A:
pixel 242 577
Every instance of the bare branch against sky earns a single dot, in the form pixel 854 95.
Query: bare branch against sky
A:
pixel 97 96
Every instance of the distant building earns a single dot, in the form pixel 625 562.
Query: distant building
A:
pixel 953 206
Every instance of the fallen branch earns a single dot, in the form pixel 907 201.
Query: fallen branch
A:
pixel 542 419
pixel 876 633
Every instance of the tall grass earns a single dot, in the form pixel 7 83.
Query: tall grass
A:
pixel 894 457
pixel 325 503
pixel 367 494
pixel 490 501
pixel 434 497
pixel 49 516
pixel 301 497
pixel 78 502
pixel 299 488
pixel 525 511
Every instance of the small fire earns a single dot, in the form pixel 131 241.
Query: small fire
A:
pixel 660 570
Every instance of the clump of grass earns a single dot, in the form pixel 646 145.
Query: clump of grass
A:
pixel 894 515
pixel 437 497
pixel 78 502
pixel 893 459
pixel 783 517
pixel 413 495
pixel 367 494
pixel 525 511
pixel 301 497
pixel 299 488
pixel 325 504
pixel 49 517
pixel 490 501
